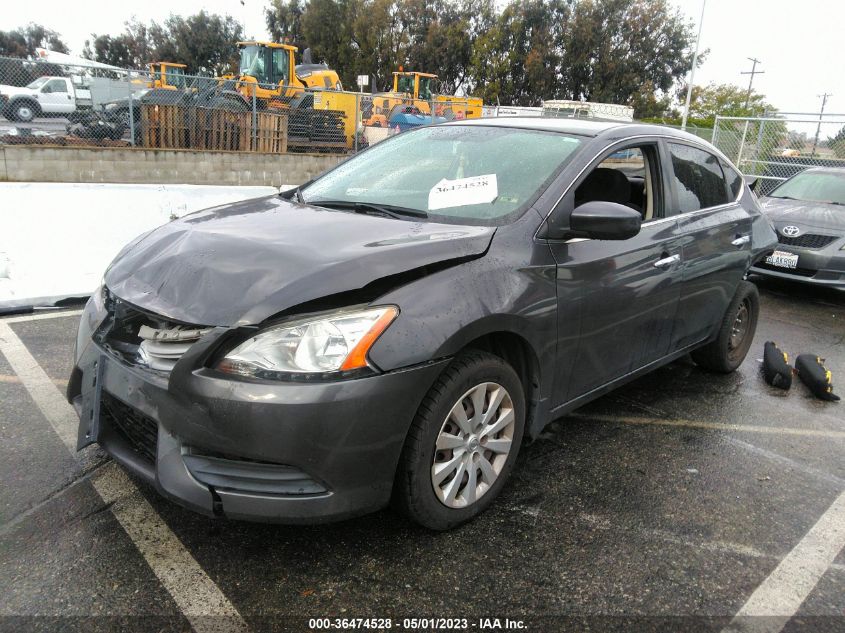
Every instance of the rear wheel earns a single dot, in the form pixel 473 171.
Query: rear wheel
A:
pixel 736 332
pixel 463 442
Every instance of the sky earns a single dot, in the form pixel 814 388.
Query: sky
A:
pixel 800 46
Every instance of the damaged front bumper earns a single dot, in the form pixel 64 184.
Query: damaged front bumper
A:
pixel 281 452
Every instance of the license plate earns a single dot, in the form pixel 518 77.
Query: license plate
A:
pixel 783 259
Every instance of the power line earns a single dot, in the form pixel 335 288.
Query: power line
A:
pixel 751 72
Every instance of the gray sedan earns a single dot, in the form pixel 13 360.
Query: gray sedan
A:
pixel 394 329
pixel 808 212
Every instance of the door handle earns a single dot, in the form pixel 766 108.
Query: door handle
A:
pixel 742 240
pixel 667 261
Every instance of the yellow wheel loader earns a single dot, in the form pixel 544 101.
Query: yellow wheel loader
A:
pixel 416 89
pixel 269 71
pixel 167 75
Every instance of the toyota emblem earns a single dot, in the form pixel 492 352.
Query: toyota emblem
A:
pixel 791 231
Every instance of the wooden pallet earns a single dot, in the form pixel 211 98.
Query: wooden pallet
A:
pixel 180 127
pixel 271 134
pixel 163 126
pixel 221 130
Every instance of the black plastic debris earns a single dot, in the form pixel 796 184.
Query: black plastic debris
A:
pixel 816 376
pixel 776 368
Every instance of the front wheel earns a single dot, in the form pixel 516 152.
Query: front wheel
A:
pixel 736 332
pixel 23 112
pixel 463 442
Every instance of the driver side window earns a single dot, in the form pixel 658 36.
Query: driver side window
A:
pixel 630 177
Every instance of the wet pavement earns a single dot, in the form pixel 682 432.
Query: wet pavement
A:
pixel 662 506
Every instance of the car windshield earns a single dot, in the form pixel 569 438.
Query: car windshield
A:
pixel 464 174
pixel 814 186
pixel 38 82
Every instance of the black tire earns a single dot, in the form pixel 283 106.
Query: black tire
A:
pixel 736 332
pixel 414 489
pixel 23 110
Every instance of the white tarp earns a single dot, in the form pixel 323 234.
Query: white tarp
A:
pixel 56 239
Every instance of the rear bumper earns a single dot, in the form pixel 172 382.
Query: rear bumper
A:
pixel 287 453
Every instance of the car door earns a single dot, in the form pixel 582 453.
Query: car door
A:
pixel 55 98
pixel 618 297
pixel 716 237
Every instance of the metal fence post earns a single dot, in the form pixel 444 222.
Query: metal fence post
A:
pixel 131 109
pixel 715 137
pixel 357 110
pixel 761 125
pixel 742 145
pixel 254 120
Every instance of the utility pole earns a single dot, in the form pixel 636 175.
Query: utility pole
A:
pixel 819 126
pixel 692 70
pixel 752 72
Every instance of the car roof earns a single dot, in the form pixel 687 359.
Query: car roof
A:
pixel 582 127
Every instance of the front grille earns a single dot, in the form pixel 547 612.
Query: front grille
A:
pixel 146 339
pixel 808 240
pixel 800 272
pixel 140 431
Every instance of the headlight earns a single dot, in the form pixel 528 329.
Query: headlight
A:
pixel 336 342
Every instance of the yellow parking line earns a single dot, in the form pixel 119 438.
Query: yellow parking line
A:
pixel 717 426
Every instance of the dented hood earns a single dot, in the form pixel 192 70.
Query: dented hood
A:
pixel 239 264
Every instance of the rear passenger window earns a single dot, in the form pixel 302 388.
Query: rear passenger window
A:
pixel 698 178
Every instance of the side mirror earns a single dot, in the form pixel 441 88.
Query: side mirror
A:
pixel 752 181
pixel 600 220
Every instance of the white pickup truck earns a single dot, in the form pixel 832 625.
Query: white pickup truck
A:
pixel 45 95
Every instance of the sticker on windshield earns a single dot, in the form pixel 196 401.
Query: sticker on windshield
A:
pixel 463 191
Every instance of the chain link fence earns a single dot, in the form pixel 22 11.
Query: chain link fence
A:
pixel 778 147
pixel 164 108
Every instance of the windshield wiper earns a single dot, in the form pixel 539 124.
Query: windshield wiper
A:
pixel 369 207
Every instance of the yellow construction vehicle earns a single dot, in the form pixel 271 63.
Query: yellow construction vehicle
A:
pixel 269 71
pixel 415 89
pixel 167 75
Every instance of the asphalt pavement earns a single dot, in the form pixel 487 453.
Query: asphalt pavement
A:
pixel 679 502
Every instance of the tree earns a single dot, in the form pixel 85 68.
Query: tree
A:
pixel 713 100
pixel 375 37
pixel 130 49
pixel 22 42
pixel 517 60
pixel 206 43
pixel 595 50
pixel 284 21
pixel 837 143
